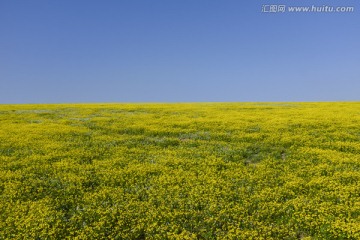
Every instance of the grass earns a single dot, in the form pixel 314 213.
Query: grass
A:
pixel 180 171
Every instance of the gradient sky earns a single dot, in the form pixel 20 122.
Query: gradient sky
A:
pixel 176 51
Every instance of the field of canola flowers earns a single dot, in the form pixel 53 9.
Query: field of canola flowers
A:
pixel 180 171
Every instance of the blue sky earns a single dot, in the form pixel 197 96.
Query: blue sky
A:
pixel 176 51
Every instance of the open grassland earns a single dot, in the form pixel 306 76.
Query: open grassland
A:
pixel 180 171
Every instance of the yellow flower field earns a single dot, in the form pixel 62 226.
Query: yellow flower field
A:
pixel 180 171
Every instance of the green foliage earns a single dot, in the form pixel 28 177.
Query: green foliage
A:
pixel 180 171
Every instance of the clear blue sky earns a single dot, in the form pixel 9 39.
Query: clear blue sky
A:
pixel 176 51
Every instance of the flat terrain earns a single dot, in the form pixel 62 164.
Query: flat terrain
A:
pixel 180 171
